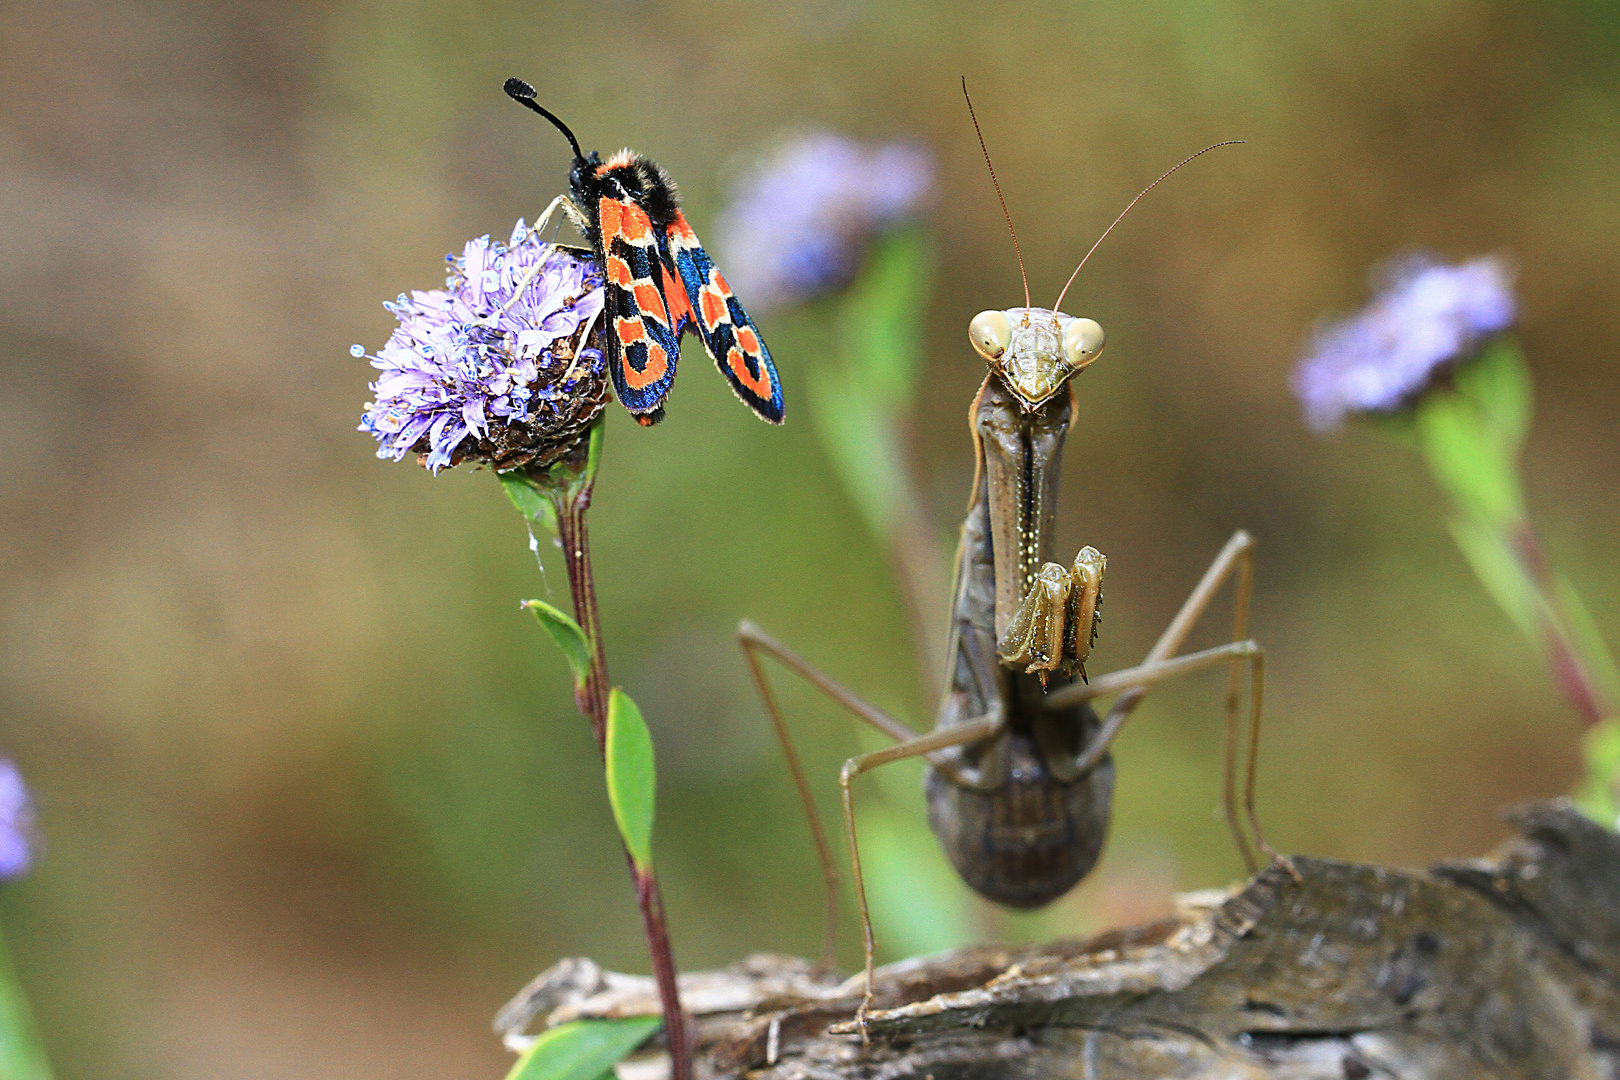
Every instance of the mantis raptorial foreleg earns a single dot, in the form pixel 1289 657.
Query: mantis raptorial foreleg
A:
pixel 1161 663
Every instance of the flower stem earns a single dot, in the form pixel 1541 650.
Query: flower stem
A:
pixel 570 502
pixel 1570 669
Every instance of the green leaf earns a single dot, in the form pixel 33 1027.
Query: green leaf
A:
pixel 1599 793
pixel 1496 385
pixel 632 781
pixel 583 1049
pixel 1474 467
pixel 521 490
pixel 22 1057
pixel 537 493
pixel 576 647
pixel 593 455
pixel 1472 433
pixel 1500 571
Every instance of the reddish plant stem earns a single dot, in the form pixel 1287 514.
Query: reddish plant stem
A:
pixel 592 701
pixel 576 545
pixel 1569 668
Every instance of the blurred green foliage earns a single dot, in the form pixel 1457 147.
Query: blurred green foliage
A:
pixel 861 396
pixel 21 1055
pixel 1472 433
pixel 312 800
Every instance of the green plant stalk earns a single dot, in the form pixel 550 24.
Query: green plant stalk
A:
pixel 862 411
pixel 22 1054
pixel 567 486
pixel 1471 434
pixel 1546 609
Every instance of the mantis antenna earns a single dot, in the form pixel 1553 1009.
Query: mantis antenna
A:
pixel 1016 249
pixel 1059 305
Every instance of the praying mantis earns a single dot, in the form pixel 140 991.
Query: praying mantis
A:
pixel 1020 780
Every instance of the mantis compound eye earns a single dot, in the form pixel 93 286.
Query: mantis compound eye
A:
pixel 991 333
pixel 1082 341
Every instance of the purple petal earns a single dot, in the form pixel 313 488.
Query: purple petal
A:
pixel 1428 316
pixel 16 822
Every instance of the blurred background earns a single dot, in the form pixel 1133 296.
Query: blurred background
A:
pixel 312 793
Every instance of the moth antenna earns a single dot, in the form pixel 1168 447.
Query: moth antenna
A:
pixel 1005 213
pixel 1229 142
pixel 524 94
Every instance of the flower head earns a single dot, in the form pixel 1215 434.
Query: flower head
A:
pixel 16 822
pixel 1428 317
pixel 494 366
pixel 798 225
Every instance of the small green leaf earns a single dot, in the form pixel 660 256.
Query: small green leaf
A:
pixel 521 490
pixel 583 1049
pixel 1599 793
pixel 576 647
pixel 1473 466
pixel 1497 386
pixel 1503 575
pixel 631 779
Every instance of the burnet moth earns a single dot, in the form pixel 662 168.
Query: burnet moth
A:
pixel 659 281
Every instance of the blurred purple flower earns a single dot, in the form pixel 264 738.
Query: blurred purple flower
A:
pixel 475 369
pixel 799 224
pixel 1428 316
pixel 16 822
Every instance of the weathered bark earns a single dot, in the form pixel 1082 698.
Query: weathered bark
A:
pixel 1507 967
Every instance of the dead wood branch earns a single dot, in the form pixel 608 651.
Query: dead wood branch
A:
pixel 1507 967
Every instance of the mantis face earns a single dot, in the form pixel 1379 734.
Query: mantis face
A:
pixel 1034 350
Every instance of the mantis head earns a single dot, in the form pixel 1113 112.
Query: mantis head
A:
pixel 1034 350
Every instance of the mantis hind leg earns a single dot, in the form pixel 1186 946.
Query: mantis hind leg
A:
pixel 917 746
pixel 908 744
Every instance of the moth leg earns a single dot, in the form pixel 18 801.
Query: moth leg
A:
pixel 575 215
pixel 564 203
pixel 584 343
pixel 1236 559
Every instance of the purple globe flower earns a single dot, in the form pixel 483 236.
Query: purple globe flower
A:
pixel 16 822
pixel 494 366
pixel 1427 317
pixel 798 225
